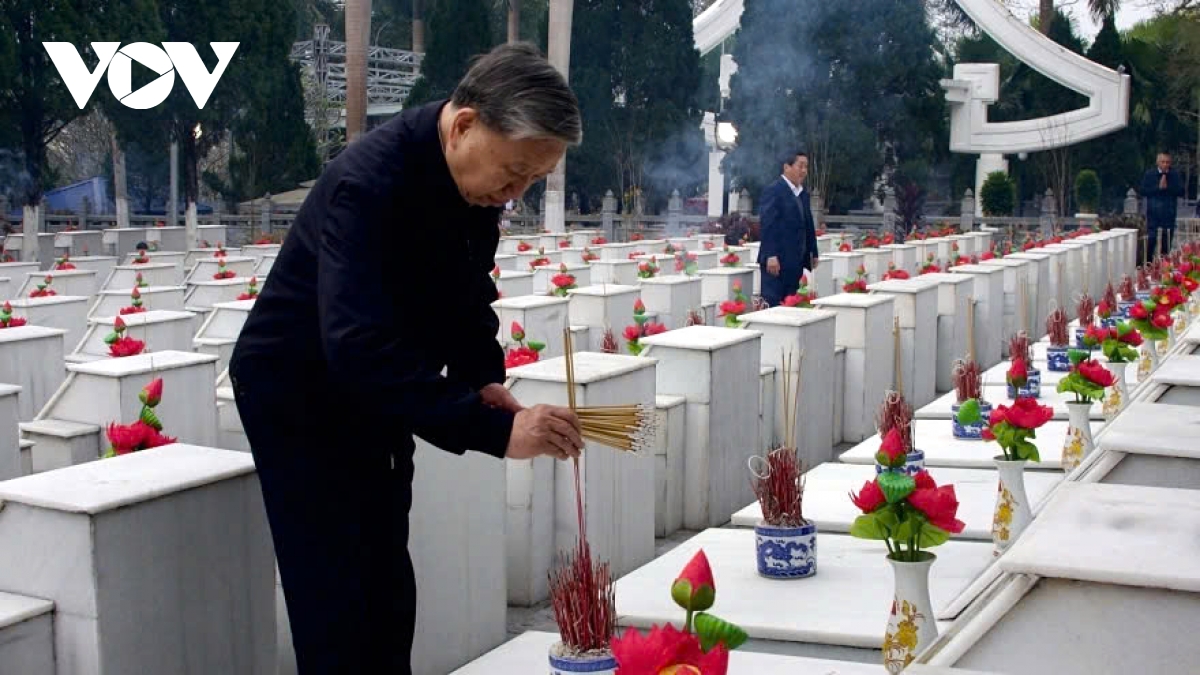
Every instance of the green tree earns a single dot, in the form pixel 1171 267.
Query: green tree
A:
pixel 1087 191
pixel 458 31
pixel 636 71
pixel 859 89
pixel 998 195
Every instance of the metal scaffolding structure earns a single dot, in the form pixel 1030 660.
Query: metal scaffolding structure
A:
pixel 391 73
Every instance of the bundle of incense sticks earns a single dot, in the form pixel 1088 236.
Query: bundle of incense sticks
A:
pixel 629 427
pixel 1084 310
pixel 968 381
pixel 1018 345
pixel 896 413
pixel 1127 290
pixel 1056 327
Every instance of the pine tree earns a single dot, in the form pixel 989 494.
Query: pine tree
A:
pixel 458 30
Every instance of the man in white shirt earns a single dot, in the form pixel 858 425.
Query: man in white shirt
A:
pixel 789 235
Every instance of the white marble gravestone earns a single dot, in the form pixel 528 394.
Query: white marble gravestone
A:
pixel 583 238
pixel 26 634
pixel 17 273
pixel 542 276
pixel 618 488
pixel 876 260
pixel 843 266
pixel 457 513
pixel 544 318
pixel 602 307
pixel 527 654
pixel 31 358
pixel 821 279
pixel 1073 272
pixel 219 332
pixel 717 284
pixel 954 296
pixel 998 394
pixel 553 242
pixel 260 251
pixel 623 272
pixel 506 261
pixel 511 244
pixel 119 239
pixel 827 243
pixel 852 588
pixel 1039 293
pixel 109 303
pixel 201 296
pixel 102 265
pixel 807 332
pixel 68 312
pixel 904 256
pixel 514 284
pixel 707 260
pixel 672 297
pixel 1151 444
pixel 621 251
pixel 718 371
pixel 214 234
pixel 10 416
pixel 175 257
pixel 123 277
pixel 132 549
pixel 864 328
pixel 989 311
pixel 79 242
pixel 1017 312
pixel 935 438
pixel 106 391
pixel 167 238
pixel 161 330
pixel 669 456
pixel 79 282
pixel 525 260
pixel 916 306
pixel 205 268
pixel 1095 261
pixel 195 255
pixel 574 256
pixel 826 501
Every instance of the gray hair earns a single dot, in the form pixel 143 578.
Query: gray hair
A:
pixel 518 93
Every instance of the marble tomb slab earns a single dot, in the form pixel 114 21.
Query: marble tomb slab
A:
pixel 936 439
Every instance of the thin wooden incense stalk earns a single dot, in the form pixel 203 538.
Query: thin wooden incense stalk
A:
pixel 896 353
pixel 971 330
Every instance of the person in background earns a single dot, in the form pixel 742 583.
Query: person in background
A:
pixel 789 235
pixel 1162 187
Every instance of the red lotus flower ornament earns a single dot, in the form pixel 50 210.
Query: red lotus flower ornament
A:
pixel 846 247
pixel 524 247
pixel 891 451
pixel 940 506
pixel 517 332
pixel 7 320
pixel 694 589
pixel 521 356
pixel 1025 413
pixel 1018 373
pixel 667 651
pixel 1096 373
pixel 869 498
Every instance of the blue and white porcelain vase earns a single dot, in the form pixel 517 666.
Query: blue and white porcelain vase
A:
pixel 1079 333
pixel 1141 296
pixel 1058 359
pixel 914 463
pixel 1124 307
pixel 564 664
pixel 1032 387
pixel 786 552
pixel 968 432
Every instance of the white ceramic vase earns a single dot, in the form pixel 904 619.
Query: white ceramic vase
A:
pixel 1149 361
pixel 1079 443
pixel 912 625
pixel 1114 399
pixel 1012 514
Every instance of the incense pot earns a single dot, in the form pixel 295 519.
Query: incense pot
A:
pixel 786 552
pixel 973 431
pixel 914 463
pixel 600 664
pixel 1032 387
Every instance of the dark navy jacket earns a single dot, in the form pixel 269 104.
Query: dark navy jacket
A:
pixel 383 282
pixel 787 227
pixel 1162 205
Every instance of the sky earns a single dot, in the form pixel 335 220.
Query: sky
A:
pixel 1131 12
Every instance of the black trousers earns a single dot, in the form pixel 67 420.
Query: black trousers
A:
pixel 775 289
pixel 337 504
pixel 1163 234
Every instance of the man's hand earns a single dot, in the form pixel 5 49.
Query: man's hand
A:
pixel 545 430
pixel 816 260
pixel 498 396
pixel 773 266
pixel 1162 182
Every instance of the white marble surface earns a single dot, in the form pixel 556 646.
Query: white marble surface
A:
pixel 845 604
pixel 997 394
pixel 67 312
pixel 205 268
pixel 527 653
pixel 1179 370
pixel 70 282
pixel 109 303
pixel 936 439
pixel 827 502
pixel 160 330
pixel 1114 534
pixel 31 358
pixel 1154 429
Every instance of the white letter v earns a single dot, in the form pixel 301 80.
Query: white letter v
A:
pixel 199 82
pixel 74 72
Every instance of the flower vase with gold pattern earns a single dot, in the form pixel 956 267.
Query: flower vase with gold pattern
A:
pixel 1079 443
pixel 1114 398
pixel 912 625
pixel 1149 361
pixel 1012 514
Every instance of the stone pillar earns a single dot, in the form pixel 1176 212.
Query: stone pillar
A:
pixel 745 205
pixel 967 219
pixel 716 184
pixel 265 216
pixel 1131 203
pixel 1049 211
pixel 674 212
pixel 559 53
pixel 608 213
pixel 817 203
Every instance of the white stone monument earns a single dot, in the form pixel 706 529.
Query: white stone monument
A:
pixel 543 317
pixel 672 298
pixel 989 312
pixel 123 277
pixel 161 330
pixel 109 303
pixel 864 328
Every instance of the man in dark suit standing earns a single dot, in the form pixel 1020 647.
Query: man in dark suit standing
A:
pixel 376 325
pixel 789 236
pixel 1162 187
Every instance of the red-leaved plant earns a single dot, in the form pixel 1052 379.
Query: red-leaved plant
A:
pixel 146 432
